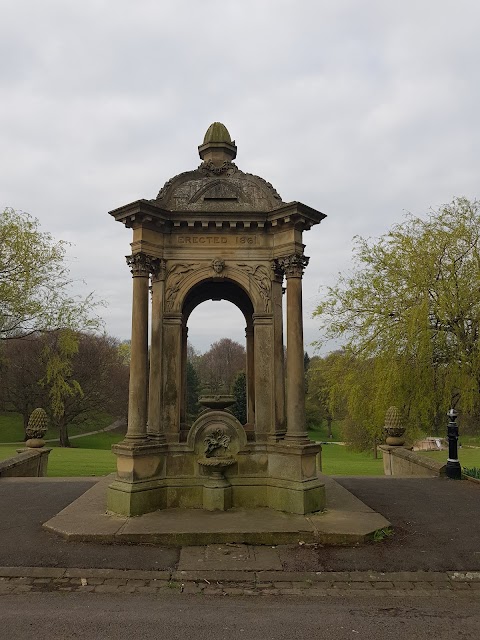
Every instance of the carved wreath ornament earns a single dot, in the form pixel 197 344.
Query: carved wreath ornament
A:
pixel 217 439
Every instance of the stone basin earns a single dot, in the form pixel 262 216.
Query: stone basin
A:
pixel 217 402
pixel 216 466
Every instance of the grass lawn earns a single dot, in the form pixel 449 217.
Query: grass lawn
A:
pixel 319 433
pixel 11 426
pixel 338 460
pixel 73 461
pixel 469 457
pixel 89 455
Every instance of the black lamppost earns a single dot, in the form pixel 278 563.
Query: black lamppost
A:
pixel 454 470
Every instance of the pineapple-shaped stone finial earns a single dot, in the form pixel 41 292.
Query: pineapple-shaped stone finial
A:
pixel 37 428
pixel 394 428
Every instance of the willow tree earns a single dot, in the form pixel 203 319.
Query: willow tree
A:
pixel 35 285
pixel 408 318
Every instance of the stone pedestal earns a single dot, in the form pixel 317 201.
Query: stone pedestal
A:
pixel 139 486
pixel 217 494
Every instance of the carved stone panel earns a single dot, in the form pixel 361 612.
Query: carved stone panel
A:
pixel 260 275
pixel 174 281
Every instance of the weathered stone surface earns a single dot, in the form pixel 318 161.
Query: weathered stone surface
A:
pixel 216 232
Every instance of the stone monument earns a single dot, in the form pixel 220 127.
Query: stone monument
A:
pixel 216 233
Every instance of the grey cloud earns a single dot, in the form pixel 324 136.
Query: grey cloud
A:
pixel 362 110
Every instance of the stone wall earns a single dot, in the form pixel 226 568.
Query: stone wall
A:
pixel 27 463
pixel 399 461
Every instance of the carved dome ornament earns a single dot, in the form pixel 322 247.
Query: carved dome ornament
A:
pixel 198 189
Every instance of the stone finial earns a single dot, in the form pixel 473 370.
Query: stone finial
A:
pixel 394 428
pixel 36 428
pixel 217 146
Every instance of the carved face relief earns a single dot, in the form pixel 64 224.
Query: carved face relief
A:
pixel 218 265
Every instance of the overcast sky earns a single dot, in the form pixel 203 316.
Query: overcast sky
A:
pixel 361 109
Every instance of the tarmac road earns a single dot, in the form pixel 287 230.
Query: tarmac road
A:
pixel 25 504
pixel 54 616
pixel 435 520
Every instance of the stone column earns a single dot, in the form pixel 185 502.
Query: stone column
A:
pixel 296 430
pixel 183 399
pixel 140 265
pixel 250 376
pixel 264 384
pixel 155 428
pixel 172 380
pixel 278 354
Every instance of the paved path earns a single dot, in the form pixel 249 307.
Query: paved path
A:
pixel 435 548
pixel 18 580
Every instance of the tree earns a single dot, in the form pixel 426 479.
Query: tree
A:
pixel 21 368
pixel 34 281
pixel 239 390
pixel 409 316
pixel 70 374
pixel 58 378
pixel 218 367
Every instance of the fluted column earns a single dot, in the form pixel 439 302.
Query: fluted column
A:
pixel 140 265
pixel 155 428
pixel 294 266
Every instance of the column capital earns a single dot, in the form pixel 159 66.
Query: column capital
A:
pixel 141 264
pixel 294 265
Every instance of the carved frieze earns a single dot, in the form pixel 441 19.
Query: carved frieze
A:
pixel 209 168
pixel 174 281
pixel 261 276
pixel 293 266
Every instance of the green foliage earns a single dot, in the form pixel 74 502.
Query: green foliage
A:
pixel 319 432
pixel 473 472
pixel 34 281
pixel 239 390
pixel 321 403
pixel 382 534
pixel 58 379
pixel 409 317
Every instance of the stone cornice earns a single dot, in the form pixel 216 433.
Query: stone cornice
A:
pixel 147 213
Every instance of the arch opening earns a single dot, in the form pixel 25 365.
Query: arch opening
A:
pixel 219 366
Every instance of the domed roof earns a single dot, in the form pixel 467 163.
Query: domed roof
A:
pixel 217 184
